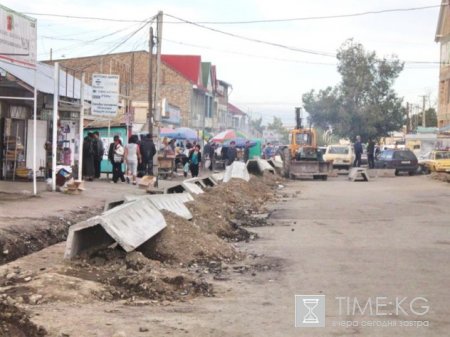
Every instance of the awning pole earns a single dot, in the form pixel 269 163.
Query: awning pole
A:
pixel 80 146
pixel 55 124
pixel 34 133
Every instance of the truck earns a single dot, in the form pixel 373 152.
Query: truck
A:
pixel 302 158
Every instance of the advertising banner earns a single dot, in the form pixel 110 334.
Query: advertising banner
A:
pixel 17 38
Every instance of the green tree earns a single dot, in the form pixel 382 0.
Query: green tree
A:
pixel 430 118
pixel 256 124
pixel 278 127
pixel 363 103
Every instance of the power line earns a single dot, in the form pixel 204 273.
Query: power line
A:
pixel 82 17
pixel 308 18
pixel 273 44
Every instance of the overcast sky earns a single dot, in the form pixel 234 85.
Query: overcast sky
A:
pixel 267 80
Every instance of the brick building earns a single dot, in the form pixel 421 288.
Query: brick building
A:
pixel 190 93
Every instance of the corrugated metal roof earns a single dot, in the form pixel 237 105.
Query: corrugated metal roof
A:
pixel 45 79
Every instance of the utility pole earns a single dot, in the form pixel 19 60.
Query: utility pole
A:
pixel 408 119
pixel 156 101
pixel 424 97
pixel 150 82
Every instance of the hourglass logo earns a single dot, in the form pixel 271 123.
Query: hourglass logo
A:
pixel 310 311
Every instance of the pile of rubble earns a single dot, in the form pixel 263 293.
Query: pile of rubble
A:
pixel 445 177
pixel 177 263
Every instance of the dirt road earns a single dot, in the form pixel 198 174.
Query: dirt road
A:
pixel 379 241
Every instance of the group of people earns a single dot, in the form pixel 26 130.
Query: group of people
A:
pixel 372 150
pixel 93 152
pixel 136 155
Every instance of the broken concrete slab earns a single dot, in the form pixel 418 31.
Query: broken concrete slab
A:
pixel 192 187
pixel 170 202
pixel 236 170
pixel 130 225
pixel 259 166
pixel 196 181
pixel 110 204
pixel 209 181
pixel 358 174
pixel 218 177
pixel 175 189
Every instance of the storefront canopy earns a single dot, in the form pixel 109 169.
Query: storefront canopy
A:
pixel 45 79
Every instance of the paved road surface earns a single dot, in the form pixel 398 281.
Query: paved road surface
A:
pixel 389 239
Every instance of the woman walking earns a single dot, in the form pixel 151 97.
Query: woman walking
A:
pixel 195 158
pixel 132 158
pixel 118 152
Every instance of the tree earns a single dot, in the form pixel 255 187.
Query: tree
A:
pixel 430 118
pixel 277 126
pixel 363 103
pixel 256 124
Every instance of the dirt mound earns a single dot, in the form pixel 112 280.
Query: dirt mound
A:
pixel 132 276
pixel 217 210
pixel 182 241
pixel 441 176
pixel 14 322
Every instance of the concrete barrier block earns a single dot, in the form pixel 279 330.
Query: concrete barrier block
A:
pixel 218 177
pixel 170 202
pixel 130 225
pixel 209 181
pixel 175 189
pixel 358 174
pixel 192 187
pixel 236 170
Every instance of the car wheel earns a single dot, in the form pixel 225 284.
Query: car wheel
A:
pixel 411 173
pixel 397 172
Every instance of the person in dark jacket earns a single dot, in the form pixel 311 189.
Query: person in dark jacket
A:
pixel 195 158
pixel 247 151
pixel 111 149
pixel 358 152
pixel 148 151
pixel 371 153
pixel 231 153
pixel 99 150
pixel 88 157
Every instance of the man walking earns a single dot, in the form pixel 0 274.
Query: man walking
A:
pixel 231 154
pixel 358 152
pixel 99 150
pixel 148 151
pixel 371 153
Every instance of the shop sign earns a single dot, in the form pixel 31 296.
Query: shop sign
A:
pixel 105 95
pixel 17 38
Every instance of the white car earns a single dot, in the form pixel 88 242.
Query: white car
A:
pixel 342 156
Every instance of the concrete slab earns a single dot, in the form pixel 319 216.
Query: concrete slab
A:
pixel 192 187
pixel 209 181
pixel 259 166
pixel 358 174
pixel 236 170
pixel 218 176
pixel 130 225
pixel 171 202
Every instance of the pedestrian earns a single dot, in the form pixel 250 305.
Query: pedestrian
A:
pixel 231 154
pixel 358 152
pixel 195 158
pixel 207 150
pixel 371 153
pixel 132 158
pixel 99 151
pixel 117 159
pixel 212 156
pixel 268 151
pixel 148 151
pixel 247 151
pixel 88 157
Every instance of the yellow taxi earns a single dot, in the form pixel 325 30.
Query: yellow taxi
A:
pixel 342 156
pixel 437 161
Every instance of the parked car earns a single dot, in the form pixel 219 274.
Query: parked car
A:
pixel 435 161
pixel 341 155
pixel 400 160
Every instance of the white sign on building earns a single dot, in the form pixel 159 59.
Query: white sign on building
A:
pixel 105 95
pixel 17 38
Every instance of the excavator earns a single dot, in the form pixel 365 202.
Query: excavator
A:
pixel 301 158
